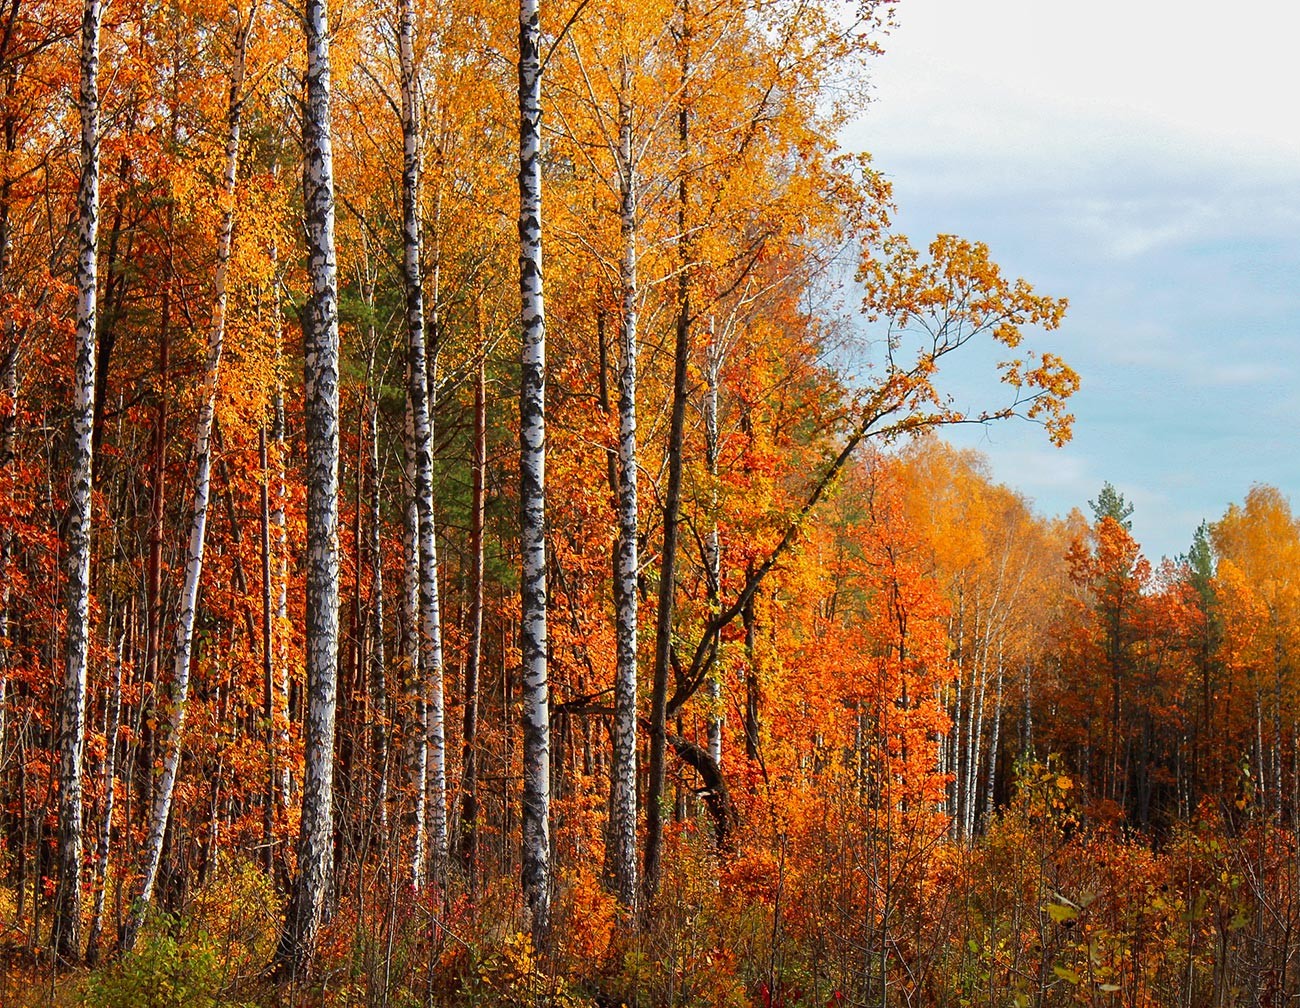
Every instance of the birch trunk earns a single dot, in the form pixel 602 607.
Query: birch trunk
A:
pixel 417 735
pixel 66 931
pixel 536 852
pixel 995 739
pixel 973 758
pixel 110 793
pixel 622 825
pixel 434 800
pixel 435 741
pixel 184 643
pixel 321 409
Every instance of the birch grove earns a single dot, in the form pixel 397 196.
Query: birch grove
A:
pixel 703 671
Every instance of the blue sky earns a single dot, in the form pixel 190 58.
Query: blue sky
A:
pixel 1142 160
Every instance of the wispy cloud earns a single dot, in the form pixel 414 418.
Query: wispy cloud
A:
pixel 1106 163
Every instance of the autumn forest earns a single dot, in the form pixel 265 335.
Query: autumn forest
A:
pixel 476 529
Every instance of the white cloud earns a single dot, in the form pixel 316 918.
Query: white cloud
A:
pixel 1037 77
pixel 1141 159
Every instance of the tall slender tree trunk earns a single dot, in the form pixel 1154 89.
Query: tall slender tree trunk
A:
pixel 154 565
pixel 622 825
pixel 712 539
pixel 184 644
pixel 753 698
pixel 8 425
pixel 8 413
pixel 536 846
pixel 378 659
pixel 474 650
pixel 976 740
pixel 430 764
pixel 429 680
pixel 995 740
pixel 321 408
pixel 416 734
pixel 66 932
pixel 672 498
pixel 275 573
pixel 268 651
pixel 110 793
pixel 281 774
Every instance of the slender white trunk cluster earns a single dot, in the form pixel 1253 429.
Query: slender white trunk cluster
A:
pixel 184 643
pixel 980 624
pixel 532 475
pixel 321 409
pixel 67 910
pixel 622 826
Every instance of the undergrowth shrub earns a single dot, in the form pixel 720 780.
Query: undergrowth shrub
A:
pixel 170 967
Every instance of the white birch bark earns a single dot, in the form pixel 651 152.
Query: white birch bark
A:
pixel 417 735
pixel 435 741
pixel 536 852
pixel 321 408
pixel 433 802
pixel 990 774
pixel 66 931
pixel 111 731
pixel 622 826
pixel 183 650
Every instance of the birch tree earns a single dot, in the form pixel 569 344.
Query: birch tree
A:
pixel 183 649
pixel 66 931
pixel 433 796
pixel 532 478
pixel 622 824
pixel 321 408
